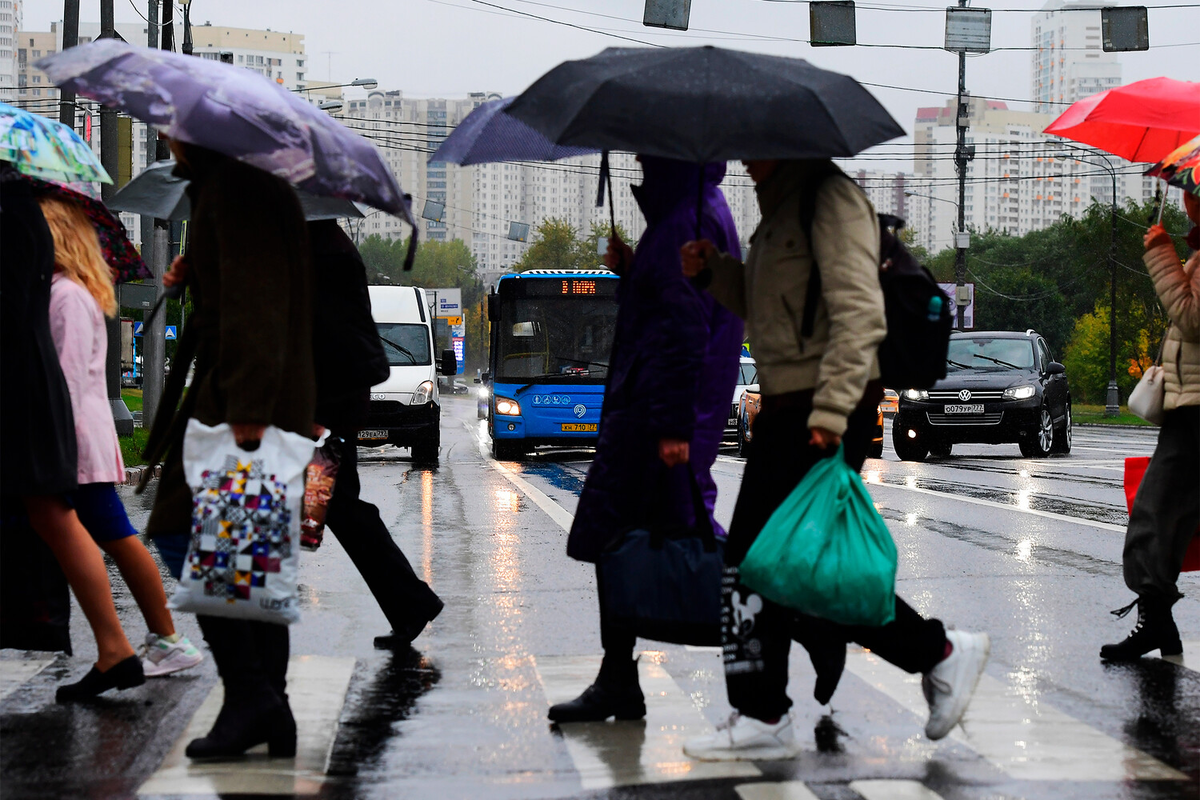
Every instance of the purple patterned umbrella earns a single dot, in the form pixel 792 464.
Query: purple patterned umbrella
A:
pixel 488 135
pixel 235 112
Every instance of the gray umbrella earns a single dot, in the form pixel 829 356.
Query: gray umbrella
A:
pixel 156 192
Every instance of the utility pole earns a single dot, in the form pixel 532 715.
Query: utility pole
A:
pixel 66 97
pixel 187 27
pixel 961 158
pixel 155 250
pixel 110 155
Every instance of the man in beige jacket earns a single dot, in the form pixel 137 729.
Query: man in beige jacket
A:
pixel 1166 510
pixel 820 389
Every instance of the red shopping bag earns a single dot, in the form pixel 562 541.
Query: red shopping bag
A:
pixel 1135 468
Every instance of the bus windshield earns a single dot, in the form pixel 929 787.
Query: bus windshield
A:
pixel 554 339
pixel 406 344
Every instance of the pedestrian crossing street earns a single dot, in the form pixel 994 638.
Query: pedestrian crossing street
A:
pixel 1019 736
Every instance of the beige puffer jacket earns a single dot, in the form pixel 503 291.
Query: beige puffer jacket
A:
pixel 769 290
pixel 1178 287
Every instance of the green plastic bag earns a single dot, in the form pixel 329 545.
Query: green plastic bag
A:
pixel 826 551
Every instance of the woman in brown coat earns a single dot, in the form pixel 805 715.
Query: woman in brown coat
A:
pixel 251 335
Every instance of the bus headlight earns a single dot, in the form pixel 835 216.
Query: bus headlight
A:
pixel 509 408
pixel 422 394
pixel 916 394
pixel 1019 392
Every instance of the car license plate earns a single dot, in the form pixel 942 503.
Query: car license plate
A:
pixel 579 427
pixel 732 422
pixel 973 408
pixel 370 436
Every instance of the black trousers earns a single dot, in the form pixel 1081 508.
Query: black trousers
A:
pixel 406 600
pixel 1166 510
pixel 250 656
pixel 617 640
pixel 757 633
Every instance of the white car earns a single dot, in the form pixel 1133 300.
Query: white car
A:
pixel 747 376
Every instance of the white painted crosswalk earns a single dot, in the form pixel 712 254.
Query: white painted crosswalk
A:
pixel 15 672
pixel 867 790
pixel 1025 737
pixel 317 689
pixel 628 753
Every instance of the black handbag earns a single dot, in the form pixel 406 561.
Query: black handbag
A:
pixel 663 581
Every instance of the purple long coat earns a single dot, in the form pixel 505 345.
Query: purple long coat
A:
pixel 673 367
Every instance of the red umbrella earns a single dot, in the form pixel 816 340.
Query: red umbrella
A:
pixel 1143 121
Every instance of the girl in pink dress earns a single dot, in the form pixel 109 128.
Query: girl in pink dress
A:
pixel 80 298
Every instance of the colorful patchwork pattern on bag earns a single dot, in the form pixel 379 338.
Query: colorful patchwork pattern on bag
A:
pixel 241 529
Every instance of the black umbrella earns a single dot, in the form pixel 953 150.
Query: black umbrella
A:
pixel 704 104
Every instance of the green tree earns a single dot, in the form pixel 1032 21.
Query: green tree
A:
pixel 555 246
pixel 589 256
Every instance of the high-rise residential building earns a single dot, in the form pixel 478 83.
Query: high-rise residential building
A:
pixel 34 90
pixel 1069 62
pixel 885 190
pixel 10 23
pixel 276 55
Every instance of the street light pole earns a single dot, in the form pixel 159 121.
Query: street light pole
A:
pixel 960 163
pixel 1112 405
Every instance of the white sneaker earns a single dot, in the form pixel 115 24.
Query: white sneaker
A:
pixel 948 686
pixel 745 739
pixel 162 657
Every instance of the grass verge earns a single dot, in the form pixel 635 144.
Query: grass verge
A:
pixel 132 398
pixel 1094 414
pixel 131 446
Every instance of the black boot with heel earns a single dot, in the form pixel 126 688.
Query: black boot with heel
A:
pixel 251 658
pixel 615 693
pixel 1155 630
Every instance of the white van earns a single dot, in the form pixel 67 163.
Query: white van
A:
pixel 406 408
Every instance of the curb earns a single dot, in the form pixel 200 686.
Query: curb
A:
pixel 1113 426
pixel 133 475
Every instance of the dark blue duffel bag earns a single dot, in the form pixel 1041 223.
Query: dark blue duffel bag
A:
pixel 663 581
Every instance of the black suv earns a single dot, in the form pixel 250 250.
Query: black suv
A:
pixel 1000 386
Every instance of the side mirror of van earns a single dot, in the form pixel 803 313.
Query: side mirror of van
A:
pixel 449 364
pixel 493 307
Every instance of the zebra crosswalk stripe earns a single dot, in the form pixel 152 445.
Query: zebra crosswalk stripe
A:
pixel 1029 740
pixel 894 790
pixel 768 790
pixel 608 754
pixel 15 672
pixel 317 690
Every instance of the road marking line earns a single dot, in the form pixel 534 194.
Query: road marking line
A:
pixel 992 504
pixel 608 754
pixel 784 790
pixel 15 672
pixel 316 689
pixel 894 790
pixel 543 501
pixel 697 648
pixel 1021 734
pixel 1190 658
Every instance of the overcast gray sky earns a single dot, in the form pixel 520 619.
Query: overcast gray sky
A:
pixel 434 48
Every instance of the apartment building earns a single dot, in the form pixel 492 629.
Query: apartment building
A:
pixel 1069 62
pixel 885 190
pixel 10 23
pixel 275 55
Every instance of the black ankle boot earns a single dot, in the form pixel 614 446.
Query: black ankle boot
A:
pixel 1155 630
pixel 248 718
pixel 826 648
pixel 615 693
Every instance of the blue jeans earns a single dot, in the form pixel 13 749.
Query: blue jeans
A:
pixel 173 549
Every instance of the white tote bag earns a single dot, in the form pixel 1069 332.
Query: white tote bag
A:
pixel 1146 399
pixel 244 553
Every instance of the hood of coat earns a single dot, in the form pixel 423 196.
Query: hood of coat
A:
pixel 783 183
pixel 196 166
pixel 667 182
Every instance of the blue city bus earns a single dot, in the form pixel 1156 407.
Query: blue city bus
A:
pixel 552 332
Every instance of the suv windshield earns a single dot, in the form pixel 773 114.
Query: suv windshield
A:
pixel 555 339
pixel 405 343
pixel 984 353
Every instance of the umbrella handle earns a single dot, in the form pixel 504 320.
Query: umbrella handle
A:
pixel 1162 204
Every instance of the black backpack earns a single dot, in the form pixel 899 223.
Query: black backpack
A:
pixel 919 319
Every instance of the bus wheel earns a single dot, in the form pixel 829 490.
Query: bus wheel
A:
pixel 507 450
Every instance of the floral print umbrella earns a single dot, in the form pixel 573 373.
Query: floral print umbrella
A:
pixel 1181 167
pixel 42 148
pixel 119 253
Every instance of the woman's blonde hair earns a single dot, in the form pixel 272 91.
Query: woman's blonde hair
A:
pixel 77 251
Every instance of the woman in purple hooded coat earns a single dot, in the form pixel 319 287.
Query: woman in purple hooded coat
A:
pixel 672 371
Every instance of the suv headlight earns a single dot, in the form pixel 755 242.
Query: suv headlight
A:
pixel 1019 392
pixel 422 394
pixel 509 408
pixel 916 394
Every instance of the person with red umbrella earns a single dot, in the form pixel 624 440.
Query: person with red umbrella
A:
pixel 1166 510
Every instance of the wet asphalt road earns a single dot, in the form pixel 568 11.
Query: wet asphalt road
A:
pixel 1028 550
